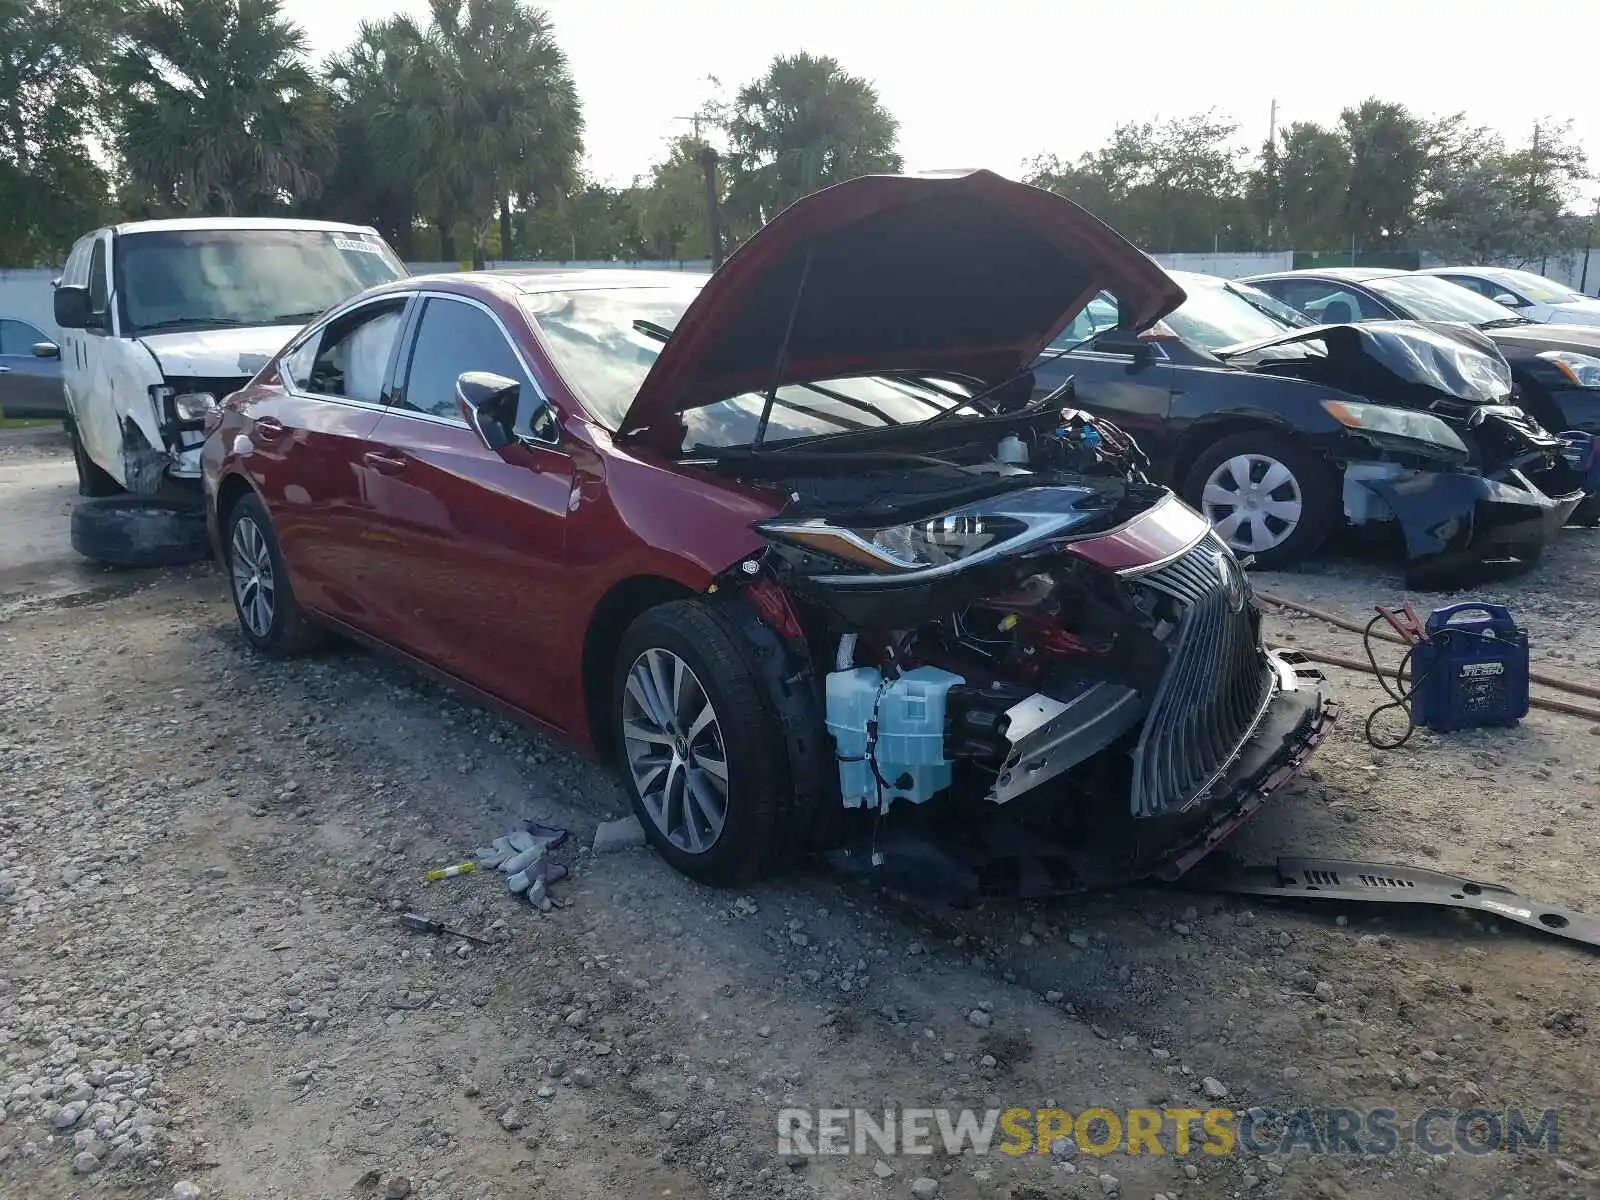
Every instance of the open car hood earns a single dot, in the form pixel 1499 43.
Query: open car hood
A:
pixel 1384 359
pixel 968 273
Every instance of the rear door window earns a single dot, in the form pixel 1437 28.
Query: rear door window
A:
pixel 350 358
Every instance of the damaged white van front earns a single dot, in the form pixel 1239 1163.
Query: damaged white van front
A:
pixel 161 320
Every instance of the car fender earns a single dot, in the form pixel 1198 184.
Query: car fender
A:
pixel 114 399
pixel 1283 406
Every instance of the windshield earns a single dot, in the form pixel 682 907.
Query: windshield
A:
pixel 1218 314
pixel 1429 298
pixel 181 278
pixel 604 342
pixel 1535 287
pixel 591 336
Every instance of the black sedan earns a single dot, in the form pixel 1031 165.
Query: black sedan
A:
pixel 1556 367
pixel 1280 431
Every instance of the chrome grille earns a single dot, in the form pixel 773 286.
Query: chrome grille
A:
pixel 1216 687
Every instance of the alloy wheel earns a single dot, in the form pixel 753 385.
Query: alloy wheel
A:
pixel 254 586
pixel 675 752
pixel 1253 502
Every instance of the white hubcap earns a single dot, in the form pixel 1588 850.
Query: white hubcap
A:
pixel 1253 501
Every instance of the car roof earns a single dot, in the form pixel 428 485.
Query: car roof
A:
pixel 510 282
pixel 1343 274
pixel 1486 272
pixel 183 224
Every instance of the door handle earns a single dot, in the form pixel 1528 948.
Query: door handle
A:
pixel 5 370
pixel 384 464
pixel 269 429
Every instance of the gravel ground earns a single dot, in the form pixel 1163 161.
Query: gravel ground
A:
pixel 204 990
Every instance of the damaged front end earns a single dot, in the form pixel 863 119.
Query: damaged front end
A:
pixel 1035 680
pixel 1434 445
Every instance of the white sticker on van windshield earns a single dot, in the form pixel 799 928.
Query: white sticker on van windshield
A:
pixel 343 243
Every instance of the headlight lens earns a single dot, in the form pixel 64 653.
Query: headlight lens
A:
pixel 943 540
pixel 1399 423
pixel 1582 369
pixel 193 406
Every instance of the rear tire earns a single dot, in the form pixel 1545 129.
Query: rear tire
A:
pixel 92 479
pixel 270 617
pixel 708 775
pixel 137 531
pixel 1293 512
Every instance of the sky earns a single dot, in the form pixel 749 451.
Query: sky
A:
pixel 996 83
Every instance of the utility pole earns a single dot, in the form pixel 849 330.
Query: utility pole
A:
pixel 708 164
pixel 694 121
pixel 1272 164
pixel 1588 246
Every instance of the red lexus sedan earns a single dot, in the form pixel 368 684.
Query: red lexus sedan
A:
pixel 798 547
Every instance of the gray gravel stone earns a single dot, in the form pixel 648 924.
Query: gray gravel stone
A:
pixel 626 834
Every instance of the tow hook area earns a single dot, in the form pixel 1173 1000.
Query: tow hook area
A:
pixel 1384 883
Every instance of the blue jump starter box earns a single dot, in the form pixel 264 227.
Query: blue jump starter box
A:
pixel 1470 673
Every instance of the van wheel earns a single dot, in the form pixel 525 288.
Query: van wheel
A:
pixel 702 754
pixel 92 480
pixel 136 531
pixel 1265 495
pixel 270 617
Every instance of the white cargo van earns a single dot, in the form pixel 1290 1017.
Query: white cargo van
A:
pixel 162 319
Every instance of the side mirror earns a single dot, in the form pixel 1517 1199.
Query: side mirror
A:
pixel 73 310
pixel 46 350
pixel 488 403
pixel 1507 299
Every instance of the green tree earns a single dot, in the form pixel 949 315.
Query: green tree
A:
pixel 671 205
pixel 51 187
pixel 1484 202
pixel 220 112
pixel 482 115
pixel 805 124
pixel 1173 185
pixel 591 223
pixel 1388 156
pixel 365 185
pixel 1313 176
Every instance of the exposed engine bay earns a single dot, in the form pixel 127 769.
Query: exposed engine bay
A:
pixel 1017 622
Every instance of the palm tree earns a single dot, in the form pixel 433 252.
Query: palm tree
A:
pixel 221 111
pixel 368 185
pixel 803 125
pixel 484 114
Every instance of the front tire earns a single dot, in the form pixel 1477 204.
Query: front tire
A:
pixel 269 615
pixel 138 531
pixel 701 751
pixel 93 481
pixel 1265 495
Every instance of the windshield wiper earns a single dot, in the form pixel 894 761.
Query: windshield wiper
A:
pixel 1282 318
pixel 1503 322
pixel 651 330
pixel 299 318
pixel 174 322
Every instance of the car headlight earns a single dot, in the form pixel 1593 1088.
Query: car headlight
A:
pixel 972 531
pixel 193 406
pixel 1582 369
pixel 1400 424
pixel 186 406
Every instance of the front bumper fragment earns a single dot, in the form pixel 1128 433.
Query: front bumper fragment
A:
pixel 980 853
pixel 1456 525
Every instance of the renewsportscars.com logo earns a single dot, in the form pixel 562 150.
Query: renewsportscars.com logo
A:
pixel 1179 1131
